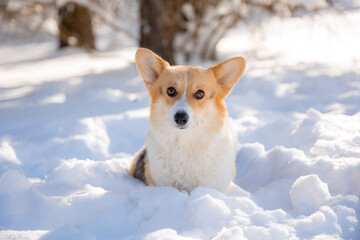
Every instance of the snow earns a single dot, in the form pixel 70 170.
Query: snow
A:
pixel 308 194
pixel 71 121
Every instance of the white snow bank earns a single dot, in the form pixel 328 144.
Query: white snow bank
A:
pixel 29 235
pixel 7 153
pixel 308 194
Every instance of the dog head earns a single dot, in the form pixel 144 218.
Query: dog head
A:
pixel 187 97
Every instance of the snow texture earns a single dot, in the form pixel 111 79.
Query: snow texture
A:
pixel 70 123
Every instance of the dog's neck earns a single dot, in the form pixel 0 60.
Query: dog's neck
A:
pixel 172 137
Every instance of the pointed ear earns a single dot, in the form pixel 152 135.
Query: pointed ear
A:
pixel 149 65
pixel 228 72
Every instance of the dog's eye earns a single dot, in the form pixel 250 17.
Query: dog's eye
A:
pixel 171 92
pixel 199 94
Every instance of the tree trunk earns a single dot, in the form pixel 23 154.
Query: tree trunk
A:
pixel 160 22
pixel 75 26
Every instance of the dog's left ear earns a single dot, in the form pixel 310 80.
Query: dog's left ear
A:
pixel 149 65
pixel 228 72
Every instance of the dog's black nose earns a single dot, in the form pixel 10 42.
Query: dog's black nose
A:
pixel 181 118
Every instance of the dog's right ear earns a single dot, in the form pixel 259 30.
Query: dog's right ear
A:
pixel 149 65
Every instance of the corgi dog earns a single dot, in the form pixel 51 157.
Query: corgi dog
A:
pixel 189 142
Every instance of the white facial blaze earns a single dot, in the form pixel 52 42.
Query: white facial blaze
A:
pixel 182 105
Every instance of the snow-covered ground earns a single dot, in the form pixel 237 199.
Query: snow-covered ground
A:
pixel 70 123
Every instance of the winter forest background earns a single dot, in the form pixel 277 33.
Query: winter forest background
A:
pixel 73 111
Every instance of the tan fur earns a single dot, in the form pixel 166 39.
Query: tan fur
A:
pixel 209 117
pixel 148 176
pixel 198 79
pixel 132 168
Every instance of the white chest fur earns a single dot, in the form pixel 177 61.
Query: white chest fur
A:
pixel 189 158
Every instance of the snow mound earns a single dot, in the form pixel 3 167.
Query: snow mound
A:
pixel 7 153
pixel 308 194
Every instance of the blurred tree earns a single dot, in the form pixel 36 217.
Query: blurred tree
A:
pixel 159 23
pixel 188 27
pixel 75 26
pixel 71 21
pixel 206 22
pixel 193 28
